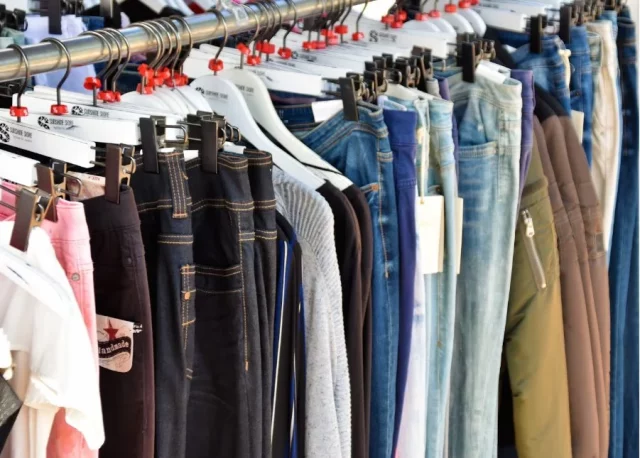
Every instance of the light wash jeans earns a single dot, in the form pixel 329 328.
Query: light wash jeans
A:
pixel 489 124
pixel 606 135
pixel 440 288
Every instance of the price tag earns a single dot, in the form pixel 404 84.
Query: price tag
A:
pixel 430 222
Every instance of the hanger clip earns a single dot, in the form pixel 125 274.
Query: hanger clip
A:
pixel 119 166
pixel 31 208
pixel 537 31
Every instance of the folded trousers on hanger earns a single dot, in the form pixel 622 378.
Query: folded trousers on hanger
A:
pixel 489 119
pixel 226 402
pixel 163 204
pixel 120 282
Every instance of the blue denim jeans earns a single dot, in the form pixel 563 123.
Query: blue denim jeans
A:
pixel 402 127
pixel 548 68
pixel 489 119
pixel 440 288
pixel 361 150
pixel 623 267
pixel 582 83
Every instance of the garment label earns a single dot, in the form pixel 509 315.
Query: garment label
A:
pixel 325 109
pixel 115 343
pixel 459 222
pixel 430 222
pixel 578 122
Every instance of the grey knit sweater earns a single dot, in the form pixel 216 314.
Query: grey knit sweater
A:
pixel 328 396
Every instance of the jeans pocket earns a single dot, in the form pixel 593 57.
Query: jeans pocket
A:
pixel 188 314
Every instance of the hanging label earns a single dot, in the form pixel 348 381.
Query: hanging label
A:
pixel 325 109
pixel 577 117
pixel 115 343
pixel 459 223
pixel 430 222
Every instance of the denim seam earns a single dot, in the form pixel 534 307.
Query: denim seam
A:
pixel 340 135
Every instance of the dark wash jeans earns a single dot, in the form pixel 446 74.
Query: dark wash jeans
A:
pixel 623 266
pixel 361 150
pixel 582 83
pixel 402 127
pixel 265 249
pixel 120 281
pixel 226 409
pixel 164 205
pixel 548 68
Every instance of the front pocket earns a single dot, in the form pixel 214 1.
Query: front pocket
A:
pixel 188 313
pixel 532 250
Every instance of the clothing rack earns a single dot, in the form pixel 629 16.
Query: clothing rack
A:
pixel 86 50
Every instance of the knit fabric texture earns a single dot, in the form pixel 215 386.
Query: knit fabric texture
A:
pixel 328 396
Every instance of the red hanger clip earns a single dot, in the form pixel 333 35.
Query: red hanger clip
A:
pixel 216 65
pixel 357 36
pixel 59 109
pixel 91 83
pixel 285 53
pixel 18 112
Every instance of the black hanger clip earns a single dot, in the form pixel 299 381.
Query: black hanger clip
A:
pixel 537 31
pixel 468 57
pixel 53 181
pixel 119 166
pixel 153 137
pixel 31 208
pixel 566 20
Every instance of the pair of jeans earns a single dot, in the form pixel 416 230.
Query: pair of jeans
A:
pixel 440 288
pixel 122 292
pixel 164 203
pixel 582 83
pixel 549 71
pixel 528 103
pixel 361 150
pixel 606 127
pixel 233 213
pixel 622 277
pixel 489 119
pixel 402 127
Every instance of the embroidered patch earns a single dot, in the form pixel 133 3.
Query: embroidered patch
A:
pixel 115 343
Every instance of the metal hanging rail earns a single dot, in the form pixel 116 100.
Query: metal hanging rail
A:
pixel 86 50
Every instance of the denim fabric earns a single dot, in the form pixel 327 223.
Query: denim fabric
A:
pixel 226 402
pixel 265 252
pixel 623 280
pixel 549 71
pixel 402 127
pixel 444 93
pixel 607 126
pixel 93 22
pixel 440 288
pixel 489 119
pixel 595 56
pixel 528 104
pixel 361 150
pixel 164 206
pixel 582 83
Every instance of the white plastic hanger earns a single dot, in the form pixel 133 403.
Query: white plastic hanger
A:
pixel 457 21
pixel 503 19
pixel 18 169
pixel 227 100
pixel 244 100
pixel 523 7
pixel 465 10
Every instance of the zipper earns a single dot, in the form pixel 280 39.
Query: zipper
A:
pixel 532 250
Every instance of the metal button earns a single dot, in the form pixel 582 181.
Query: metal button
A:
pixel 75 277
pixel 187 296
pixel 129 261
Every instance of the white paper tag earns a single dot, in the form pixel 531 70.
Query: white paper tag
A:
pixel 101 181
pixel 115 343
pixel 578 122
pixel 325 109
pixel 430 222
pixel 459 222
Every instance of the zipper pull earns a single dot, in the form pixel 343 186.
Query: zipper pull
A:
pixel 528 221
pixel 137 328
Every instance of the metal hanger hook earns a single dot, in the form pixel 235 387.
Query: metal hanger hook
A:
pixel 168 23
pixel 154 35
pixel 112 66
pixel 291 4
pixel 64 49
pixel 107 45
pixel 127 58
pixel 222 21
pixel 166 51
pixel 27 71
pixel 185 24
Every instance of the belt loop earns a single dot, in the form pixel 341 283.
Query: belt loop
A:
pixel 178 183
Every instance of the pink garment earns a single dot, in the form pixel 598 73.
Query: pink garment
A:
pixel 70 240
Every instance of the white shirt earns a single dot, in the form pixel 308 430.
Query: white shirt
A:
pixel 50 347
